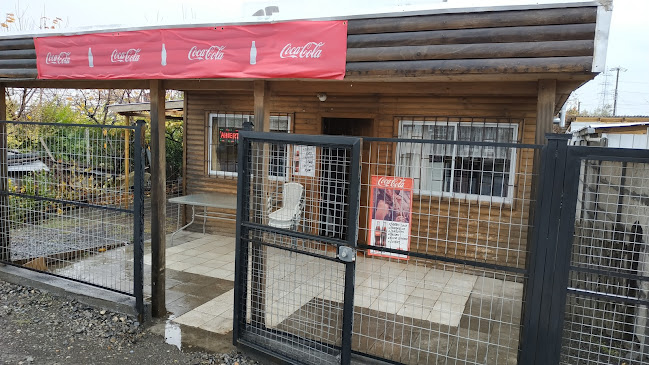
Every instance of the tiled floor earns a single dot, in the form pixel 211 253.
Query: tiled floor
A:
pixel 385 286
pixel 302 288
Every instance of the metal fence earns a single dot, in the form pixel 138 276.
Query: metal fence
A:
pixel 293 292
pixel 587 291
pixel 72 200
pixel 606 317
pixel 448 286
pixel 439 260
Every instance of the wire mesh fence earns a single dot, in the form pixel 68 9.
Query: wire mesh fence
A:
pixel 68 196
pixel 174 214
pixel 439 272
pixel 443 238
pixel 606 314
pixel 295 214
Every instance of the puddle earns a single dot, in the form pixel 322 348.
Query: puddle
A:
pixel 173 335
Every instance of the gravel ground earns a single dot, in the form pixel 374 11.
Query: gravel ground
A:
pixel 39 328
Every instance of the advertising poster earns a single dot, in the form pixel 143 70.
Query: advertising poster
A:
pixel 304 161
pixel 391 214
pixel 300 49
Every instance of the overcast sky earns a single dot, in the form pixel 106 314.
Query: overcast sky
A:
pixel 628 41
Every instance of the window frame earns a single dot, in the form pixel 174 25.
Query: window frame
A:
pixel 451 194
pixel 249 117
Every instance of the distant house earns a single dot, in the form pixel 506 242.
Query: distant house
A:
pixel 21 164
pixel 615 132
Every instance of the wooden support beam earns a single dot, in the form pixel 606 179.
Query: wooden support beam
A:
pixel 234 85
pixel 158 199
pixel 511 18
pixel 19 73
pixel 262 112
pixel 547 90
pixel 470 66
pixel 20 63
pixel 23 43
pixel 18 54
pixel 127 157
pixel 441 89
pixel 4 185
pixel 185 131
pixel 473 51
pixel 536 33
pixel 75 84
pixel 258 259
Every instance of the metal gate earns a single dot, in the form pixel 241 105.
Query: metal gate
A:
pixel 588 293
pixel 304 295
pixel 67 208
pixel 294 287
pixel 476 283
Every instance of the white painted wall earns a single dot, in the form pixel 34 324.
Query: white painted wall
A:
pixel 639 141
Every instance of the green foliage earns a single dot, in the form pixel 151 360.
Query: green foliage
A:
pixel 174 149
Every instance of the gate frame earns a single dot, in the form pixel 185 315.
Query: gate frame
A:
pixel 137 210
pixel 246 138
pixel 551 252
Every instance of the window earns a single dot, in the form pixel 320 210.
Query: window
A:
pixel 223 141
pixel 460 170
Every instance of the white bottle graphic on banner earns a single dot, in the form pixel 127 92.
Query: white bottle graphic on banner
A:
pixel 164 55
pixel 90 59
pixel 253 54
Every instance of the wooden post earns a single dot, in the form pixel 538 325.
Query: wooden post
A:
pixel 158 199
pixel 547 91
pixel 258 279
pixel 127 168
pixel 4 184
pixel 184 187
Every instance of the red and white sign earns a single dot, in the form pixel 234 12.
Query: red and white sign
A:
pixel 391 214
pixel 303 49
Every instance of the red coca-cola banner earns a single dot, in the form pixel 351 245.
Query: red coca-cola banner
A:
pixel 303 49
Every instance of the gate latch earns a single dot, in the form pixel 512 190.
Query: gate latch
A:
pixel 346 254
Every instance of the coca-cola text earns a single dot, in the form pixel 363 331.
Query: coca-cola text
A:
pixel 132 55
pixel 309 50
pixel 392 182
pixel 57 59
pixel 211 53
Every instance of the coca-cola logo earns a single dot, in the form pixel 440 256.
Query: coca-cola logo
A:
pixel 57 59
pixel 132 55
pixel 392 182
pixel 211 53
pixel 309 50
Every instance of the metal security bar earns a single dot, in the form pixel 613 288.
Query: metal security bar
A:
pixel 68 206
pixel 606 316
pixel 444 225
pixel 296 227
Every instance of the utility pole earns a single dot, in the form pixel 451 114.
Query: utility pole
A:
pixel 617 81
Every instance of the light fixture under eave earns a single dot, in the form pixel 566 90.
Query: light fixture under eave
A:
pixel 322 96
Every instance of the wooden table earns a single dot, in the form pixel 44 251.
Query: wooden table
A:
pixel 206 200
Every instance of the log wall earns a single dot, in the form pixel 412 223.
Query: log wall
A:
pixel 493 232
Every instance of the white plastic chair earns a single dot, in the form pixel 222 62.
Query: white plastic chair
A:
pixel 290 214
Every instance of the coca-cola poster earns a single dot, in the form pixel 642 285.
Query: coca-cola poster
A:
pixel 390 215
pixel 304 160
pixel 301 49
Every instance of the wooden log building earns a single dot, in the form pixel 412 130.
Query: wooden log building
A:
pixel 514 66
